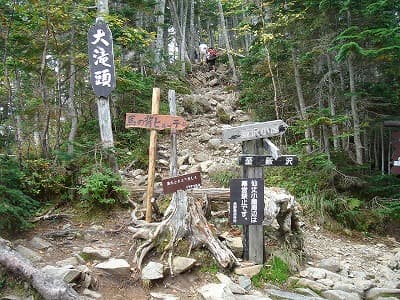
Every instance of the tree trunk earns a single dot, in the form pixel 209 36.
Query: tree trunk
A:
pixel 332 103
pixel 302 103
pixel 227 44
pixel 354 112
pixel 103 108
pixel 47 287
pixel 159 12
pixel 71 96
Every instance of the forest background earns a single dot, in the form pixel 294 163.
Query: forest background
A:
pixel 330 69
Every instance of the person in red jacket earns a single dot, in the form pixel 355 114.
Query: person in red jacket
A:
pixel 212 55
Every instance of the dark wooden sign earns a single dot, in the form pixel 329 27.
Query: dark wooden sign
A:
pixel 267 160
pixel 247 201
pixel 254 131
pixel 184 182
pixel 396 153
pixel 101 59
pixel 154 121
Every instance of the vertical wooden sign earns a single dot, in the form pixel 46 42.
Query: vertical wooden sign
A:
pixel 253 235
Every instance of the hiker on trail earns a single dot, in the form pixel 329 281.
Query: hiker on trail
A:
pixel 212 55
pixel 203 53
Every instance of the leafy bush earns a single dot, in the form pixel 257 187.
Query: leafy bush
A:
pixel 223 177
pixel 276 271
pixel 102 188
pixel 16 208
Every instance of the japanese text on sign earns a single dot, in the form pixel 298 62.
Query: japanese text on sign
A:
pixel 247 201
pixel 101 59
pixel 154 121
pixel 184 182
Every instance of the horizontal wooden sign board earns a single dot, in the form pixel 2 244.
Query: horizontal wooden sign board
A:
pixel 154 121
pixel 247 201
pixel 184 182
pixel 254 131
pixel 267 160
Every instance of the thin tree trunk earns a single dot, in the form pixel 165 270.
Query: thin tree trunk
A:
pixel 160 11
pixel 332 103
pixel 354 112
pixel 302 103
pixel 227 44
pixel 71 97
pixel 192 34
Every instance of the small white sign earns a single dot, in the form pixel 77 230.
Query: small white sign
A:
pixel 396 163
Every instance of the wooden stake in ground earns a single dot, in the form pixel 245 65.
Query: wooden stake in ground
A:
pixel 155 107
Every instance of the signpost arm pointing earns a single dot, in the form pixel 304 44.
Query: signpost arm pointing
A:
pixel 273 149
pixel 155 107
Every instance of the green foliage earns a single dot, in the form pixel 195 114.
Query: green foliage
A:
pixel 276 271
pixel 44 179
pixel 211 267
pixel 102 189
pixel 223 177
pixel 16 208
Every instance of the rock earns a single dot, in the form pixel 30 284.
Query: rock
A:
pixel 340 295
pixel 248 271
pixel 251 297
pixel 288 295
pixel 311 284
pixel 71 261
pixel 66 274
pixel 215 291
pixel 152 271
pixel 214 143
pixel 163 296
pixel 331 264
pixel 214 82
pixel 116 266
pixel 92 294
pixel 97 253
pixel 380 292
pixel 236 245
pixel 182 264
pixel 28 253
pixel 235 288
pixel 11 297
pixel 245 282
pixel 39 243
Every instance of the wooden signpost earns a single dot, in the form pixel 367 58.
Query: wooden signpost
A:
pixel 254 131
pixel 154 122
pixel 158 122
pixel 254 139
pixel 268 160
pixel 184 182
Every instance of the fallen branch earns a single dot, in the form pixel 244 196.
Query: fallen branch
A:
pixel 49 288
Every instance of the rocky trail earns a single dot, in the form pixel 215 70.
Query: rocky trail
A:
pixel 96 256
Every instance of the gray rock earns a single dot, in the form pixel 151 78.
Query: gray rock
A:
pixel 215 291
pixel 380 292
pixel 11 297
pixel 163 296
pixel 245 282
pixel 248 271
pixel 182 264
pixel 307 292
pixel 236 245
pixel 65 274
pixel 311 284
pixel 39 243
pixel 115 266
pixel 251 297
pixel 288 295
pixel 331 264
pixel 70 261
pixel 92 294
pixel 28 253
pixel 152 271
pixel 340 295
pixel 235 288
pixel 97 253
pixel 214 143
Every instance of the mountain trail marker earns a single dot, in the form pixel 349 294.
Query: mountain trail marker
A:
pixel 247 193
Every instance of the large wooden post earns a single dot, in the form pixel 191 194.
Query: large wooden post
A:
pixel 174 144
pixel 155 107
pixel 253 235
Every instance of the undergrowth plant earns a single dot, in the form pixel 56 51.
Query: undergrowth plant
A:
pixel 102 188
pixel 16 207
pixel 275 271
